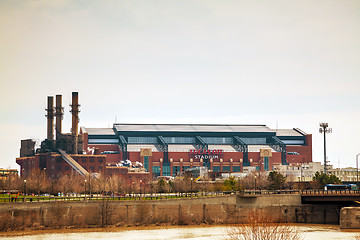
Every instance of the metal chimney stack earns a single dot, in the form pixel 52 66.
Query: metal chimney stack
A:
pixel 59 112
pixel 50 117
pixel 75 118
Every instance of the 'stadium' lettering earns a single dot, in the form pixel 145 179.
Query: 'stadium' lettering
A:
pixel 206 152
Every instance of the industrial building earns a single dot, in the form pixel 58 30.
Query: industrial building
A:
pixel 151 150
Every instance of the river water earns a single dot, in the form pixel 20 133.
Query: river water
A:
pixel 318 232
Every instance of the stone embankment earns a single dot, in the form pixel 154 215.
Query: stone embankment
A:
pixel 210 210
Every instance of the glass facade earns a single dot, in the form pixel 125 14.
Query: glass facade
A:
pixel 218 140
pixel 146 163
pixel 216 169
pixel 266 163
pixel 254 141
pixel 166 169
pixel 226 169
pixel 236 168
pixel 185 167
pixel 142 140
pixel 176 169
pixel 180 140
pixel 156 171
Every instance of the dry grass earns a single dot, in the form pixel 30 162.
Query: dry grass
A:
pixel 263 226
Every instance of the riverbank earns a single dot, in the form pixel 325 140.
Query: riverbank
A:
pixel 29 232
pixel 113 229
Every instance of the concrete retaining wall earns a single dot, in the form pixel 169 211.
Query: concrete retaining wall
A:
pixel 226 209
pixel 350 218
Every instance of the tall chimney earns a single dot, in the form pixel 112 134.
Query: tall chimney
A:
pixel 75 118
pixel 50 117
pixel 58 115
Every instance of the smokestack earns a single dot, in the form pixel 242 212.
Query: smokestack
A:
pixel 50 117
pixel 59 112
pixel 75 118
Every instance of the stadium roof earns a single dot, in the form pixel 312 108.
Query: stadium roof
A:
pixel 98 131
pixel 190 128
pixel 289 132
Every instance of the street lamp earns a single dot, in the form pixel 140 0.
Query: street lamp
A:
pixel 255 183
pixel 357 171
pixel 191 180
pixel 324 129
pixel 25 186
pixel 85 188
pixel 140 186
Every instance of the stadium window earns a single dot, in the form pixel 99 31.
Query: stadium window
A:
pixel 226 169
pixel 156 171
pixel 146 163
pixel 176 169
pixel 236 168
pixel 216 169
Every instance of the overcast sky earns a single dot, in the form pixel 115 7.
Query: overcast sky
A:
pixel 284 63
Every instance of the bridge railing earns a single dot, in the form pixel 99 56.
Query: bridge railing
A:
pixel 302 192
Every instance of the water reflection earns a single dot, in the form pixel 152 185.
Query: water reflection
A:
pixel 326 232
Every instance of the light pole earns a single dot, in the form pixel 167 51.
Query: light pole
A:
pixel 85 189
pixel 357 171
pixel 324 129
pixel 255 183
pixel 25 187
pixel 140 186
pixel 191 180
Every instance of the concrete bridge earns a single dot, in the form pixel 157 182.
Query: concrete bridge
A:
pixel 315 196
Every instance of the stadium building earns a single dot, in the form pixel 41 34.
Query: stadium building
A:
pixel 151 150
pixel 168 149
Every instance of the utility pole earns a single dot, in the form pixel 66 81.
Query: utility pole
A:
pixel 324 128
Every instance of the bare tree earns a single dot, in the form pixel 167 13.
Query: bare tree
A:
pixel 72 183
pixel 262 226
pixel 37 181
pixel 106 210
pixel 258 178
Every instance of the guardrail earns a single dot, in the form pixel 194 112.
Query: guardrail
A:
pixel 158 196
pixel 128 197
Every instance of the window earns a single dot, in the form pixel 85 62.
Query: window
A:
pixel 226 169
pixel 156 171
pixel 91 160
pixel 100 168
pixel 216 168
pixel 266 163
pixel 100 160
pixel 236 168
pixel 146 163
pixel 166 170
pixel 92 168
pixel 83 159
pixel 185 167
pixel 67 168
pixel 176 169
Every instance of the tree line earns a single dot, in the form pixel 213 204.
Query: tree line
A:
pixel 37 182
